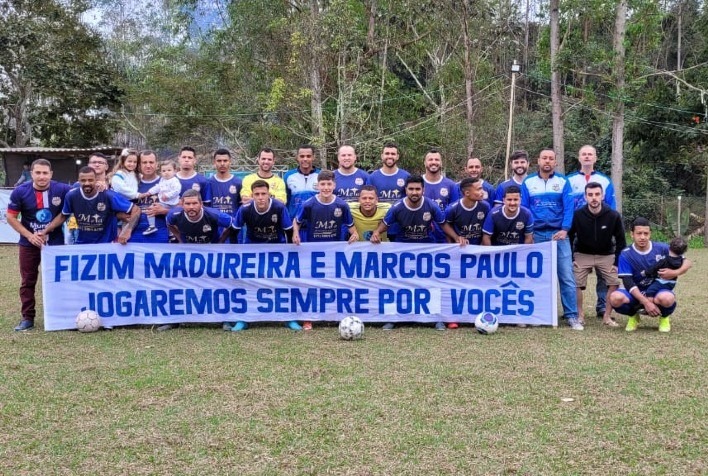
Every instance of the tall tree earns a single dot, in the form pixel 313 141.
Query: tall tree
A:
pixel 618 117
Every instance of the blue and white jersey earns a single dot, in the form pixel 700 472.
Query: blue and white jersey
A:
pixel 348 187
pixel 467 222
pixel 196 182
pixel 506 230
pixel 204 230
pixel 550 201
pixel 632 262
pixel 501 189
pixel 37 208
pixel 266 227
pixel 225 194
pixel 300 188
pixel 443 192
pixel 578 180
pixel 415 225
pixel 325 221
pixel 389 187
pixel 162 235
pixel 95 216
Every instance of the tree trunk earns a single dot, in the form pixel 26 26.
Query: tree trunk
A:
pixel 469 98
pixel 556 106
pixel 618 119
pixel 316 86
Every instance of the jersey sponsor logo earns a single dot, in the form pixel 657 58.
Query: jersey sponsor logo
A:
pixel 56 201
pixel 101 207
pixel 43 215
pixel 389 194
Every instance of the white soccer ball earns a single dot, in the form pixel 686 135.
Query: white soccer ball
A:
pixel 88 321
pixel 486 323
pixel 351 328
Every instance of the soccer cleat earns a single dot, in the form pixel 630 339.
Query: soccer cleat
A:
pixel 664 324
pixel 227 325
pixel 439 326
pixel 575 324
pixel 150 230
pixel 167 327
pixel 24 325
pixel 293 325
pixel 389 326
pixel 239 326
pixel 452 325
pixel 632 323
pixel 307 326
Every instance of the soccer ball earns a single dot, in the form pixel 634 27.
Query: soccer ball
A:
pixel 486 323
pixel 351 328
pixel 88 321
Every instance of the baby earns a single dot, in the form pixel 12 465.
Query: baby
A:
pixel 167 190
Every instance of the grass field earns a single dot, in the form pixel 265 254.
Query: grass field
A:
pixel 412 401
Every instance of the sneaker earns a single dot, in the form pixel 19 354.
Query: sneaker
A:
pixel 24 325
pixel 664 324
pixel 575 324
pixel 227 325
pixel 150 230
pixel 167 327
pixel 239 326
pixel 452 325
pixel 307 326
pixel 293 325
pixel 642 312
pixel 439 326
pixel 107 328
pixel 522 326
pixel 632 323
pixel 389 326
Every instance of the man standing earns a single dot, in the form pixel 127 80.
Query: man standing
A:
pixel 439 189
pixel 389 180
pixel 301 182
pixel 149 205
pixel 519 164
pixel 474 170
pixel 188 175
pixel 547 195
pixel 32 206
pixel 348 177
pixel 414 217
pixel 225 187
pixel 587 156
pixel 195 223
pixel 509 224
pixel 368 213
pixel 640 256
pixel 265 162
pixel 595 225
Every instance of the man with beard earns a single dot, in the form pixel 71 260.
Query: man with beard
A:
pixel 195 223
pixel 474 170
pixel 149 205
pixel 265 162
pixel 519 163
pixel 348 177
pixel 301 182
pixel 389 180
pixel 467 215
pixel 439 189
pixel 225 187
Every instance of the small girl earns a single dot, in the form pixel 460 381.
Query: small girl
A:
pixel 168 190
pixel 125 175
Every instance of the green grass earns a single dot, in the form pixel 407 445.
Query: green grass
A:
pixel 412 401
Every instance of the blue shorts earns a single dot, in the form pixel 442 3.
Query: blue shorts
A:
pixel 631 308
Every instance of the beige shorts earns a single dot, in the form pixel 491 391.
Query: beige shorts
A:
pixel 602 264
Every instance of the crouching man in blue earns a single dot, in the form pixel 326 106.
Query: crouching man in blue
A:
pixel 637 296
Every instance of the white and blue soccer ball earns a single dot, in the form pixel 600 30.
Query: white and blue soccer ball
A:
pixel 351 328
pixel 88 321
pixel 486 323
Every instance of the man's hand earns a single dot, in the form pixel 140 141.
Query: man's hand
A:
pixel 38 239
pixel 652 309
pixel 353 237
pixel 375 237
pixel 560 235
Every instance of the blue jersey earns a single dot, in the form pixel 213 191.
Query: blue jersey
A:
pixel 467 222
pixel 443 192
pixel 501 190
pixel 390 188
pixel 95 216
pixel 196 182
pixel 348 187
pixel 204 230
pixel 550 201
pixel 266 227
pixel 632 262
pixel 225 194
pixel 37 208
pixel 162 235
pixel 578 180
pixel 300 188
pixel 415 225
pixel 505 230
pixel 325 221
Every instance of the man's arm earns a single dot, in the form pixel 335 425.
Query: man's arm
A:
pixel 672 274
pixel 486 239
pixel 450 232
pixel 296 232
pixel 54 224
pixel 128 228
pixel 528 239
pixel 35 238
pixel 175 232
pixel 376 235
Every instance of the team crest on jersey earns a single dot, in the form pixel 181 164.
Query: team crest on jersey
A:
pixel 232 189
pixel 426 216
pixel 556 187
pixel 101 207
pixel 359 181
pixel 337 212
pixel 443 192
pixel 480 215
pixel 274 218
pixel 519 225
pixel 400 182
pixel 195 186
pixel 206 228
pixel 56 201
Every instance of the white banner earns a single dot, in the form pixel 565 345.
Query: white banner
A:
pixel 7 234
pixel 390 282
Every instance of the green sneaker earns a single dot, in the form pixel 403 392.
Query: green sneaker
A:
pixel 664 324
pixel 632 323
